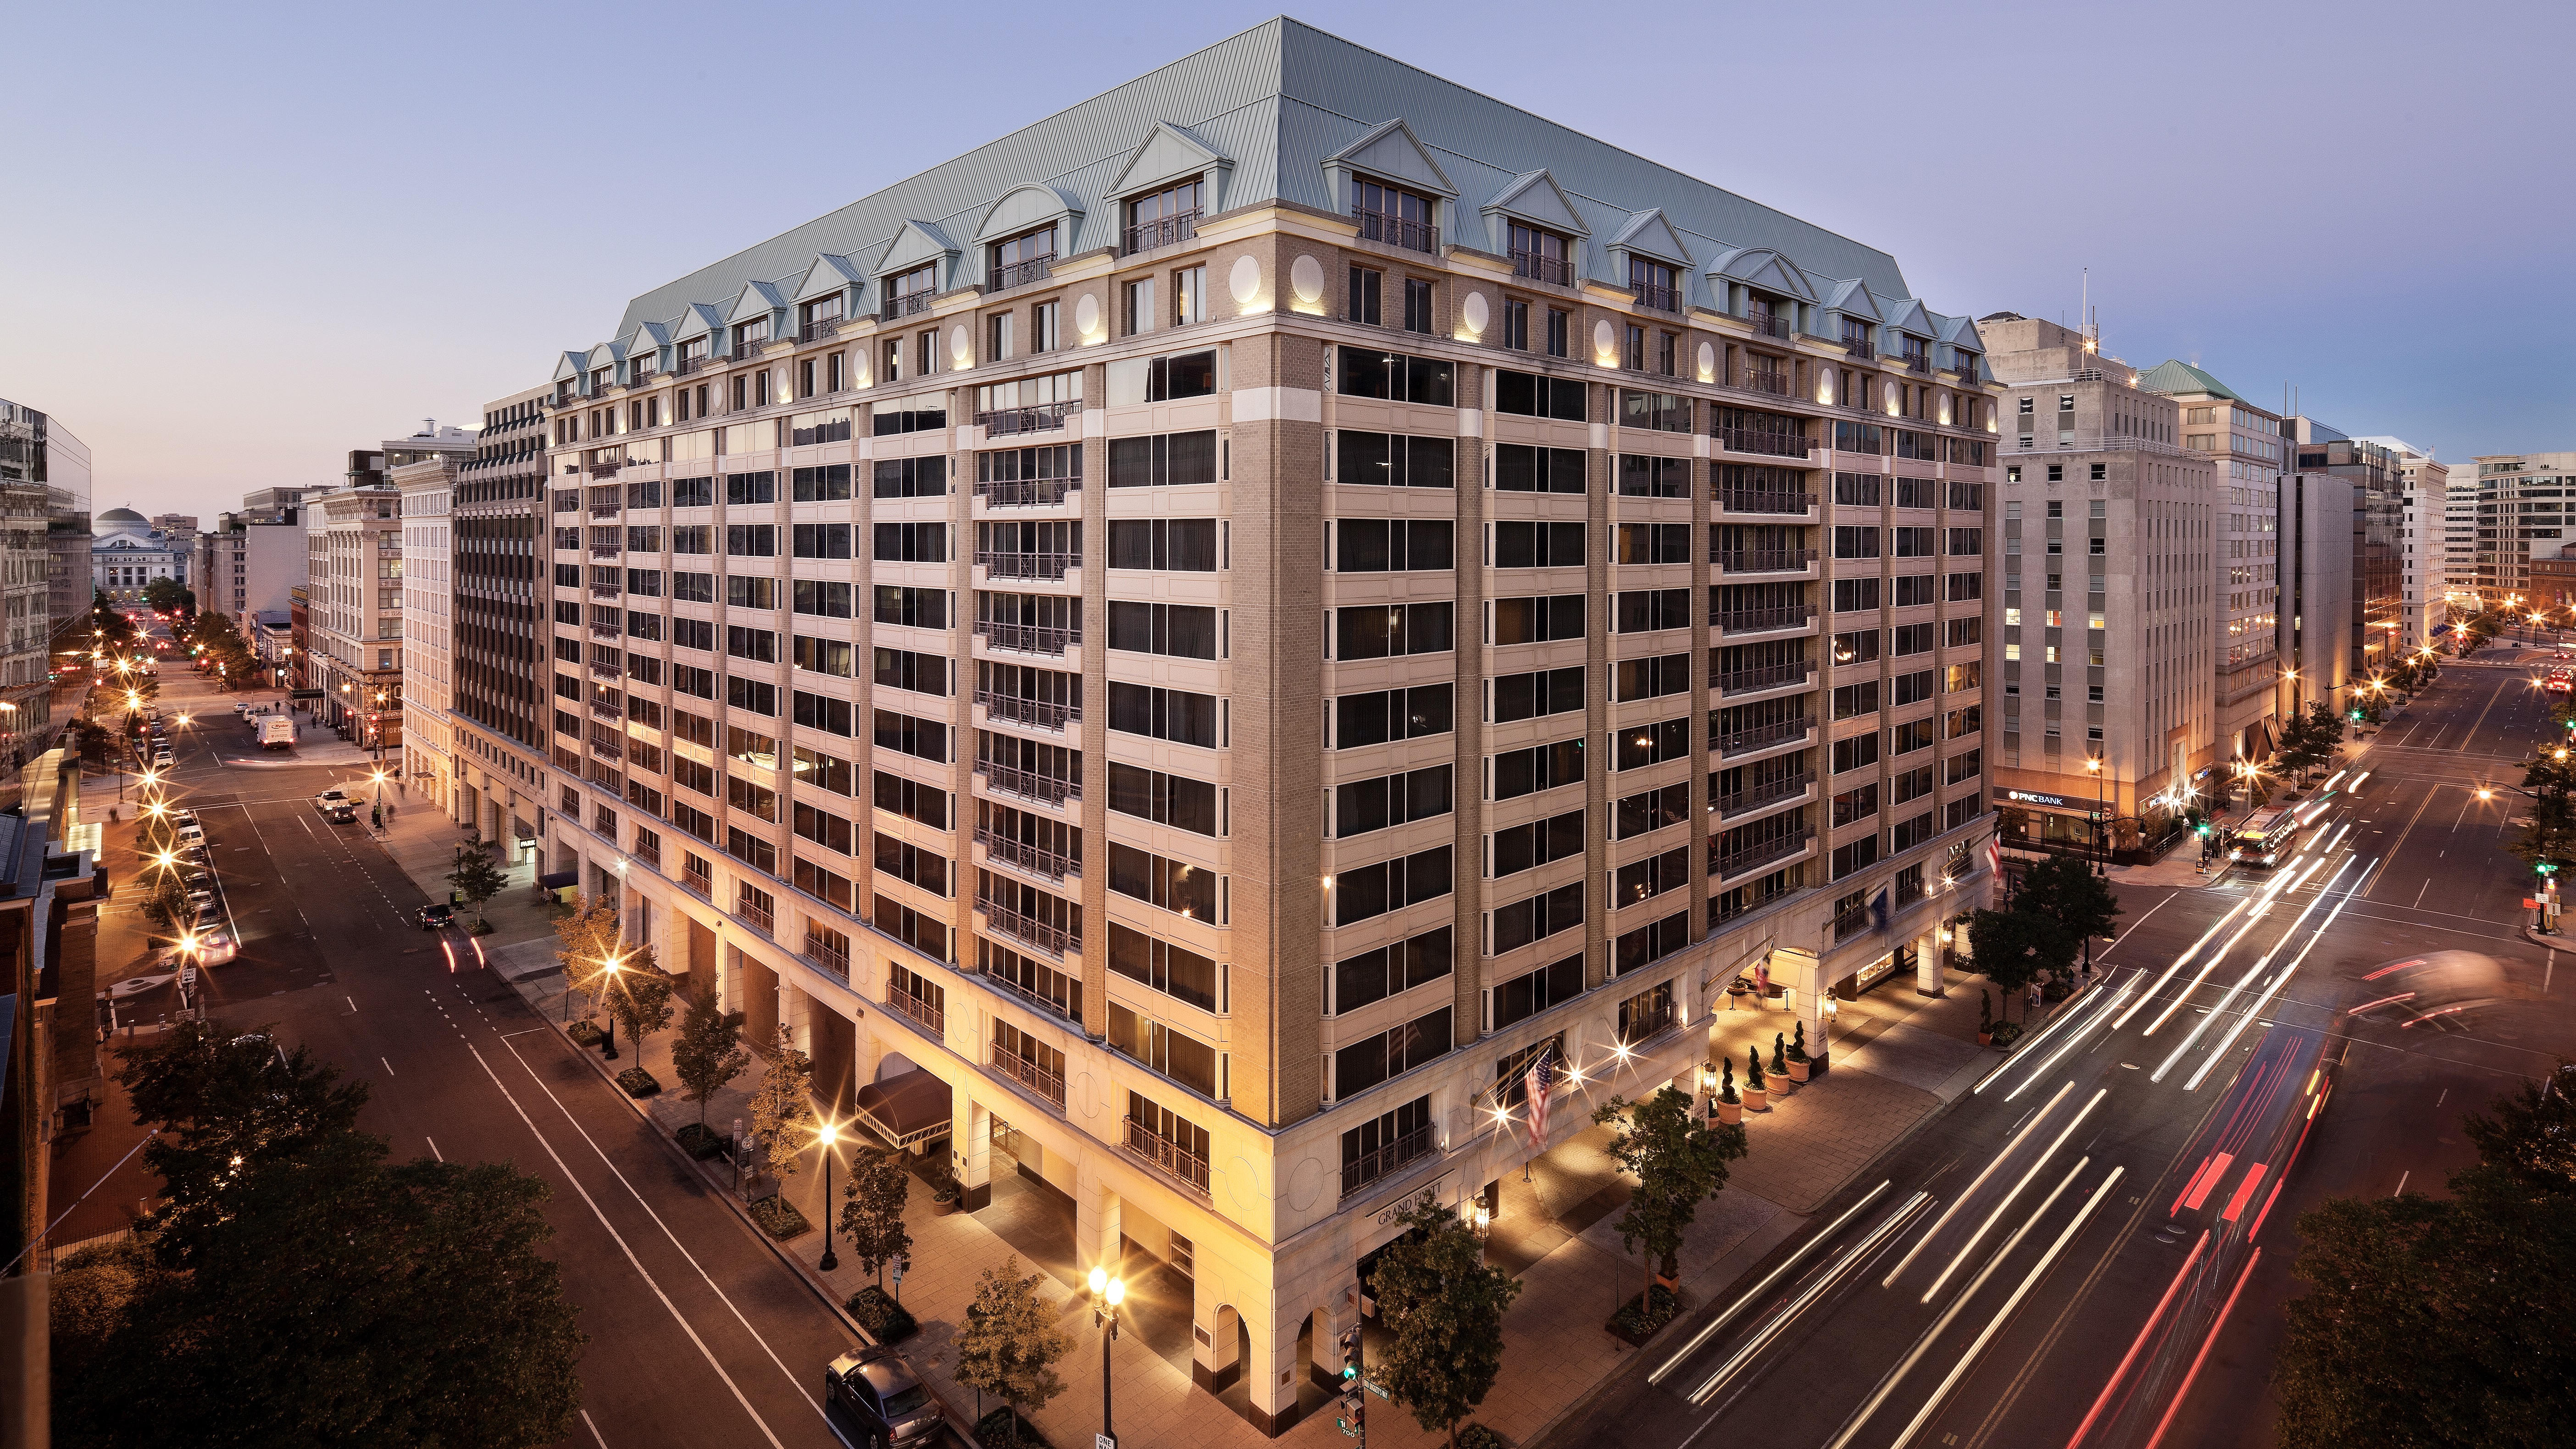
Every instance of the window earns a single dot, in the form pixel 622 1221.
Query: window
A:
pixel 1651 543
pixel 917 673
pixel 1394 216
pixel 1044 335
pixel 1185 631
pixel 1643 1016
pixel 1366 892
pixel 1536 918
pixel 831 601
pixel 1653 477
pixel 911 799
pixel 1374 718
pixel 1650 810
pixel 1519 468
pixel 820 540
pixel 1022 259
pixel 1369 372
pixel 1176 545
pixel 1361 302
pixel 1173 800
pixel 1362 806
pixel 1172 885
pixel 911 543
pixel 1526 847
pixel 1175 971
pixel 1533 545
pixel 1385 632
pixel 1556 332
pixel 1391 1053
pixel 910 292
pixel 1536 620
pixel 1654 284
pixel 1651 678
pixel 1178 715
pixel 1417 306
pixel 1166 217
pixel 1526 996
pixel 1535 695
pixel 1540 255
pixel 1189 296
pixel 1163 379
pixel 1137 303
pixel 1540 767
pixel 1516 324
pixel 1371 545
pixel 1385 1143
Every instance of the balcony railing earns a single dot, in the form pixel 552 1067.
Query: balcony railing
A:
pixel 918 1009
pixel 1024 492
pixel 1746 859
pixel 1761 621
pixel 1169 1158
pixel 1917 362
pixel 1021 274
pixel 605 591
pixel 1396 231
pixel 1662 299
pixel 606 671
pixel 1774 383
pixel 1763 500
pixel 607 550
pixel 697 879
pixel 1373 1167
pixel 1642 1025
pixel 607 469
pixel 649 852
pixel 1859 347
pixel 1026 565
pixel 759 917
pixel 1768 324
pixel 1169 231
pixel 1046 1083
pixel 607 749
pixel 605 510
pixel 829 955
pixel 1026 929
pixel 1037 714
pixel 605 631
pixel 2094 442
pixel 819 328
pixel 643 379
pixel 1020 855
pixel 1539 268
pixel 897 308
pixel 1768 676
pixel 748 351
pixel 1028 638
pixel 1768 793
pixel 1043 418
pixel 607 709
pixel 1764 441
pixel 1762 736
pixel 688 365
pixel 1764 560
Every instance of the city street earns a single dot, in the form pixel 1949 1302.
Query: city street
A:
pixel 697 1333
pixel 2094 1246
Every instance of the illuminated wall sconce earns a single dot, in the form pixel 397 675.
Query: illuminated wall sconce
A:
pixel 1244 281
pixel 1306 283
pixel 1707 362
pixel 1605 344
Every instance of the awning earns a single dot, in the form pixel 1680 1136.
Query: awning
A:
pixel 558 880
pixel 907 1110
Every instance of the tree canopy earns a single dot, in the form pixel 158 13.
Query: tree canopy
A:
pixel 1445 1304
pixel 1009 1343
pixel 1679 1162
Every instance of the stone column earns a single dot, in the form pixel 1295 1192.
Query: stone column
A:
pixel 971 1131
pixel 1095 1220
pixel 1927 965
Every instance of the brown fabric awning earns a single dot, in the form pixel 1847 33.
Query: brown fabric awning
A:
pixel 913 1108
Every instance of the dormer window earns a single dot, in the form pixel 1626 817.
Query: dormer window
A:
pixel 1023 259
pixel 1967 364
pixel 750 337
pixel 600 378
pixel 1655 285
pixel 1856 340
pixel 910 292
pixel 1167 217
pixel 639 367
pixel 693 355
pixel 1769 318
pixel 1542 256
pixel 1915 352
pixel 1394 216
pixel 820 318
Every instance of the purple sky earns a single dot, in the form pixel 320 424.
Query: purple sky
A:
pixel 236 246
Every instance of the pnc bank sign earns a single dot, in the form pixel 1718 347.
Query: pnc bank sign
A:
pixel 2033 797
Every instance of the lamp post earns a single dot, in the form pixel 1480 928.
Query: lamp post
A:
pixel 379 821
pixel 1106 1294
pixel 2093 767
pixel 824 1137
pixel 610 1054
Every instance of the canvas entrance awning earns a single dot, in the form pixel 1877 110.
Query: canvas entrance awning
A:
pixel 907 1110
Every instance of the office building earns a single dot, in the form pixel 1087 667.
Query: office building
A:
pixel 2247 456
pixel 2423 503
pixel 248 561
pixel 2108 612
pixel 2460 546
pixel 1103 639
pixel 2378 606
pixel 174 524
pixel 272 500
pixel 44 525
pixel 500 589
pixel 428 489
pixel 2523 508
pixel 353 560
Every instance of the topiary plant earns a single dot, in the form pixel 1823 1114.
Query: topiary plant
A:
pixel 1798 1044
pixel 1753 1069
pixel 1726 1081
pixel 1779 1054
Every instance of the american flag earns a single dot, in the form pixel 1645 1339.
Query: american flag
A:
pixel 1995 851
pixel 1541 1072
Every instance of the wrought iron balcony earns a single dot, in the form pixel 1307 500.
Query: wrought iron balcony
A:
pixel 1028 638
pixel 605 510
pixel 1662 299
pixel 1370 1168
pixel 604 631
pixel 607 469
pixel 1764 500
pixel 1762 736
pixel 1026 565
pixel 1169 231
pixel 1767 323
pixel 1768 793
pixel 1769 381
pixel 1022 856
pixel 1396 231
pixel 1021 274
pixel 1763 621
pixel 605 591
pixel 1026 929
pixel 607 550
pixel 1917 362
pixel 600 670
pixel 1025 492
pixel 1859 347
pixel 1764 560
pixel 1537 268
pixel 1746 859
pixel 607 709
pixel 1036 714
pixel 1169 1158
pixel 1044 1082
pixel 918 1009
pixel 649 852
pixel 1643 1023
pixel 688 365
pixel 819 328
pixel 906 305
pixel 1043 418
pixel 1768 676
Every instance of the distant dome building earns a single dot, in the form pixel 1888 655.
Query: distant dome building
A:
pixel 127 553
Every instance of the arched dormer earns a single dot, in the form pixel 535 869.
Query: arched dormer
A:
pixel 1765 288
pixel 1552 231
pixel 1023 233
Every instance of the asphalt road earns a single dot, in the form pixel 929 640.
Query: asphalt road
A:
pixel 697 1334
pixel 2095 1246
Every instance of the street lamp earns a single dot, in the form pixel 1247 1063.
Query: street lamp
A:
pixel 1106 1294
pixel 379 778
pixel 2093 767
pixel 610 1054
pixel 824 1137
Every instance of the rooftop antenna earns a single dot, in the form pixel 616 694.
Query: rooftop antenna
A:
pixel 2092 328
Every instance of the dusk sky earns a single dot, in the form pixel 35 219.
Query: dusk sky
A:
pixel 241 240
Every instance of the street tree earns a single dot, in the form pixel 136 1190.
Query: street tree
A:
pixel 222 1103
pixel 1678 1161
pixel 2549 831
pixel 782 1109
pixel 1009 1343
pixel 2532 1136
pixel 475 877
pixel 166 906
pixel 2067 891
pixel 1445 1304
pixel 708 1053
pixel 2012 947
pixel 638 995
pixel 164 595
pixel 872 1212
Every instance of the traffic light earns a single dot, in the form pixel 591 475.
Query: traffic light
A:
pixel 2545 868
pixel 1354 1419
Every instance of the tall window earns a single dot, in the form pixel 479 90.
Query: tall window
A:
pixel 1556 329
pixel 1655 284
pixel 1396 217
pixel 1023 259
pixel 1363 301
pixel 1165 217
pixel 1516 324
pixel 910 292
pixel 1417 305
pixel 1189 296
pixel 1138 299
pixel 1043 336
pixel 1541 255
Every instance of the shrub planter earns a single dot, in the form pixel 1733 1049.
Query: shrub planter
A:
pixel 700 1141
pixel 638 1082
pixel 996 1430
pixel 1797 1070
pixel 1730 1113
pixel 779 1218
pixel 1635 1324
pixel 885 1320
pixel 1757 1099
pixel 2005 1034
pixel 584 1033
pixel 1477 1436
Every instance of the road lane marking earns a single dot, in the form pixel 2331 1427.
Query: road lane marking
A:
pixel 620 1239
pixel 389 1067
pixel 595 1435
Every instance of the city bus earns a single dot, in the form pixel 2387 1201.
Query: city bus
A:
pixel 2268 837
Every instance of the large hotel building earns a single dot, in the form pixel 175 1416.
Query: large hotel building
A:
pixel 1105 641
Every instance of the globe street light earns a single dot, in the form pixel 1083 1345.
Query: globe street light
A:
pixel 1106 1294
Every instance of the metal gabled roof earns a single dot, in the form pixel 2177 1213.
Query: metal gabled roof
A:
pixel 2175 376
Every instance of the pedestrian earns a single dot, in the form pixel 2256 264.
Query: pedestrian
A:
pixel 1762 986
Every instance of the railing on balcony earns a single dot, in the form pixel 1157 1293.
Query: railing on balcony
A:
pixel 649 852
pixel 1644 1023
pixel 1021 274
pixel 1041 1080
pixel 1764 441
pixel 1764 500
pixel 1769 792
pixel 918 1009
pixel 1020 855
pixel 1765 381
pixel 607 709
pixel 828 954
pixel 1025 492
pixel 697 879
pixel 1762 736
pixel 909 303
pixel 1396 231
pixel 1026 565
pixel 1764 560
pixel 1037 714
pixel 1169 231
pixel 1760 621
pixel 1026 929
pixel 607 469
pixel 607 550
pixel 1662 299
pixel 1539 268
pixel 1858 347
pixel 607 749
pixel 819 328
pixel 756 915
pixel 1768 676
pixel 1028 638
pixel 606 591
pixel 2093 442
pixel 645 378
pixel 1744 860
pixel 1373 1167
pixel 1170 1158
pixel 602 670
pixel 605 510
pixel 604 631
pixel 688 365
pixel 1917 362
pixel 1043 418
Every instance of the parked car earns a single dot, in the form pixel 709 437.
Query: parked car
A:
pixel 890 1404
pixel 437 914
pixel 191 835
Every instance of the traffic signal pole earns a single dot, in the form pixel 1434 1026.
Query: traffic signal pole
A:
pixel 1354 1420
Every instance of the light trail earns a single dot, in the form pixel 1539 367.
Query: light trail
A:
pixel 2098 1017
pixel 2140 1342
pixel 2281 885
pixel 1764 1286
pixel 2180 961
pixel 2203 1356
pixel 1978 1236
pixel 2220 1051
pixel 1780 1321
pixel 1992 1163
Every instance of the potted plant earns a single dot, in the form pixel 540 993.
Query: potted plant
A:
pixel 1779 1055
pixel 1755 1099
pixel 1985 1019
pixel 1798 1063
pixel 1730 1107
